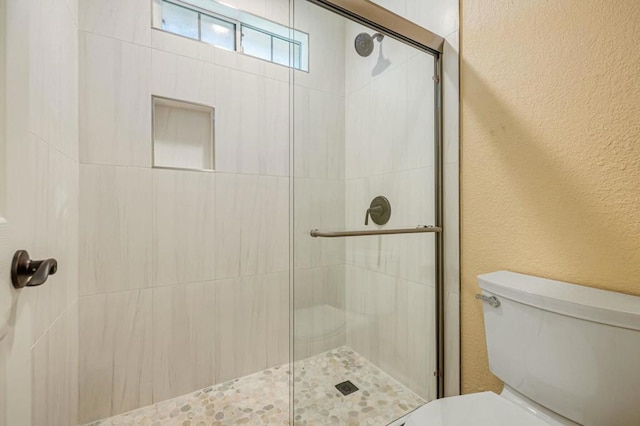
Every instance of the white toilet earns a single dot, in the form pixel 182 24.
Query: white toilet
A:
pixel 567 355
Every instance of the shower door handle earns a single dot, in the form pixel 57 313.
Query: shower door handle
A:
pixel 315 233
pixel 30 273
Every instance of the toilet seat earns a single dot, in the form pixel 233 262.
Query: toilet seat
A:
pixel 477 409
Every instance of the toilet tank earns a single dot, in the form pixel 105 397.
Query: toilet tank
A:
pixel 572 349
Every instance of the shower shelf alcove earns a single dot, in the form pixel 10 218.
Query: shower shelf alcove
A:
pixel 183 134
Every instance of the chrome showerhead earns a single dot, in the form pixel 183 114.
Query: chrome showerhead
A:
pixel 364 43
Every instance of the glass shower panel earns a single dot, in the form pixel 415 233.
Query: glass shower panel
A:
pixel 364 339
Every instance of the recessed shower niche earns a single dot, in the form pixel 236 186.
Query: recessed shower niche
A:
pixel 183 135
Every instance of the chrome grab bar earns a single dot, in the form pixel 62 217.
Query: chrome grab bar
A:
pixel 419 229
pixel 491 300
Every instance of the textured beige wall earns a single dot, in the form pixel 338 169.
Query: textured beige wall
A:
pixel 550 94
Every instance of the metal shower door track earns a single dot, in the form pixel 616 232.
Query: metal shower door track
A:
pixel 386 22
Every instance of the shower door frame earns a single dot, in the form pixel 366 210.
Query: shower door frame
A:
pixel 395 26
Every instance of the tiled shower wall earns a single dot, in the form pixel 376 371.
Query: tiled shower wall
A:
pixel 39 340
pixel 184 275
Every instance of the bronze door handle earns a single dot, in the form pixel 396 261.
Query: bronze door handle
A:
pixel 30 273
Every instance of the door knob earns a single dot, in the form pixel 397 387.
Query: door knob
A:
pixel 30 273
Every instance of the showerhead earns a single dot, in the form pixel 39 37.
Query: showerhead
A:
pixel 364 43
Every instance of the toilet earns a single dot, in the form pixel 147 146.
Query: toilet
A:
pixel 567 354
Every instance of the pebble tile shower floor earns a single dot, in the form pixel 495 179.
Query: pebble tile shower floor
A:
pixel 263 398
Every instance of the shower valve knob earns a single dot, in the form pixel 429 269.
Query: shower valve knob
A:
pixel 379 210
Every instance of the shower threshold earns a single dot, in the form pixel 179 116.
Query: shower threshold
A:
pixel 263 398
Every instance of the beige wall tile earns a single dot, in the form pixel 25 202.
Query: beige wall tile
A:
pixel 54 372
pixel 115 228
pixel 240 327
pixel 128 20
pixel 318 204
pixel 184 324
pixel 184 220
pixel 319 310
pixel 276 289
pixel 252 123
pixel 327 55
pixel 180 77
pixel 115 360
pixel 115 101
pixel 252 221
pixel 391 322
pixel 319 133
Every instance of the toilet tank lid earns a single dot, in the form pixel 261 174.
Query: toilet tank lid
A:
pixel 591 304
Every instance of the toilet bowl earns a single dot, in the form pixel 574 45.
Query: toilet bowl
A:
pixel 478 409
pixel 566 353
pixel 485 409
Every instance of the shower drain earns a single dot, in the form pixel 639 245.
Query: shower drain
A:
pixel 346 388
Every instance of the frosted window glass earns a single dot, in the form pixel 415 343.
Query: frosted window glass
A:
pixel 256 43
pixel 179 20
pixel 281 51
pixel 218 32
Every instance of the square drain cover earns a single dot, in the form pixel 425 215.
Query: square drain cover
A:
pixel 346 388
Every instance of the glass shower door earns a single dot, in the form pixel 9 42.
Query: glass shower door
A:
pixel 365 159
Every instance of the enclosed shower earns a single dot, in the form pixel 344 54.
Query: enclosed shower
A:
pixel 365 183
pixel 260 214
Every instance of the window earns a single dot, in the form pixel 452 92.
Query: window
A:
pixel 271 47
pixel 256 43
pixel 218 32
pixel 232 29
pixel 191 23
pixel 180 20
